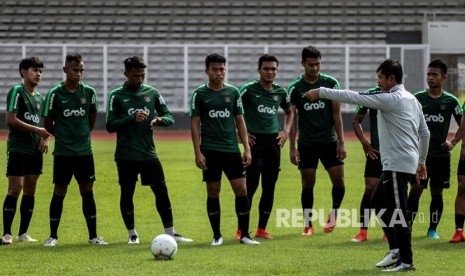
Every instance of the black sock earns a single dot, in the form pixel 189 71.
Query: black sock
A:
pixel 214 215
pixel 26 209
pixel 90 213
pixel 413 202
pixel 365 212
pixel 459 221
pixel 306 199
pixel 56 208
pixel 163 204
pixel 337 194
pixel 263 218
pixel 243 214
pixel 9 210
pixel 435 211
pixel 126 204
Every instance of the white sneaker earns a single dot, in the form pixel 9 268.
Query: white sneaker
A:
pixel 400 267
pixel 25 238
pixel 389 260
pixel 6 240
pixel 134 239
pixel 98 240
pixel 248 240
pixel 179 238
pixel 51 242
pixel 217 241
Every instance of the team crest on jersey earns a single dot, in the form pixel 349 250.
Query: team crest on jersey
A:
pixel 38 106
pixel 442 107
pixel 147 99
pixel 83 100
pixel 227 99
pixel 275 97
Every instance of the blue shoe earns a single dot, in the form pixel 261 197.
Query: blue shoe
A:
pixel 432 234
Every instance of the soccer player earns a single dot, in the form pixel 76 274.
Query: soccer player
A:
pixel 70 113
pixel 216 112
pixel 460 198
pixel 131 114
pixel 261 100
pixel 404 139
pixel 320 137
pixel 438 107
pixel 27 141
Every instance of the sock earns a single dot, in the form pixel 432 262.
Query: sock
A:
pixel 435 211
pixel 243 214
pixel 9 210
pixel 214 215
pixel 337 194
pixel 56 208
pixel 26 209
pixel 306 199
pixel 413 202
pixel 169 231
pixel 126 205
pixel 365 212
pixel 459 221
pixel 163 204
pixel 90 213
pixel 394 251
pixel 263 218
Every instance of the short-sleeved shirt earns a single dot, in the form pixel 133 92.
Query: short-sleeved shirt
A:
pixel 261 107
pixel 438 113
pixel 28 109
pixel 315 118
pixel 71 114
pixel 135 139
pixel 217 111
pixel 374 138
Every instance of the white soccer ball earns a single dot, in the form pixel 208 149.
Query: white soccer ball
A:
pixel 164 247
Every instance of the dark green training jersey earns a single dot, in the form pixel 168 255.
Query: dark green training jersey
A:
pixel 374 138
pixel 29 109
pixel 315 119
pixel 217 111
pixel 438 113
pixel 71 114
pixel 135 139
pixel 261 107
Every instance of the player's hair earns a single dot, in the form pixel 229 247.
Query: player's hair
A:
pixel 30 62
pixel 310 52
pixel 267 58
pixel 73 57
pixel 391 67
pixel 214 58
pixel 134 62
pixel 439 63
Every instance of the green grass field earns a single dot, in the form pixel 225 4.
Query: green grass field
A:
pixel 288 253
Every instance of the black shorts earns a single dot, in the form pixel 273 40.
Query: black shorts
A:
pixel 81 166
pixel 266 150
pixel 327 154
pixel 21 164
pixel 438 172
pixel 151 171
pixel 461 167
pixel 217 162
pixel 373 168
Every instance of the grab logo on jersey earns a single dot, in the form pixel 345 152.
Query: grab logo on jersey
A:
pixel 73 112
pixel 31 117
pixel 314 106
pixel 265 109
pixel 434 118
pixel 219 113
pixel 132 111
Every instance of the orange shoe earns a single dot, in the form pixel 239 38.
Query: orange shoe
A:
pixel 261 233
pixel 384 237
pixel 361 237
pixel 308 231
pixel 330 223
pixel 458 236
pixel 238 234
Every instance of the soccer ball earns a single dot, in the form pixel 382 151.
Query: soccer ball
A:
pixel 164 247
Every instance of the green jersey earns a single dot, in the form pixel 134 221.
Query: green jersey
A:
pixel 438 113
pixel 135 139
pixel 217 111
pixel 71 115
pixel 29 109
pixel 261 107
pixel 374 138
pixel 315 119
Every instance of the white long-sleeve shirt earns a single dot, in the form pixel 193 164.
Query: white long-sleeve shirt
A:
pixel 403 133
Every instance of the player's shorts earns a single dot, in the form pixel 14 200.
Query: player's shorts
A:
pixel 81 166
pixel 373 168
pixel 266 150
pixel 217 162
pixel 461 167
pixel 310 154
pixel 438 172
pixel 21 164
pixel 151 171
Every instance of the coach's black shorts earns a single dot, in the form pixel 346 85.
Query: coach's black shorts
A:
pixel 310 154
pixel 373 168
pixel 217 162
pixel 438 172
pixel 21 164
pixel 151 171
pixel 81 166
